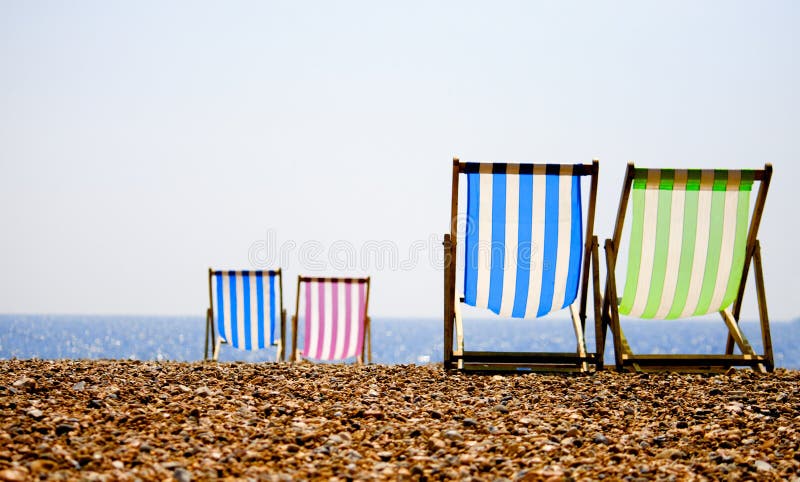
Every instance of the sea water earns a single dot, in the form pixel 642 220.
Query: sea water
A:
pixel 394 340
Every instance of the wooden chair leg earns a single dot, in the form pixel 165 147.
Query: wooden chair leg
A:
pixel 368 330
pixel 459 325
pixel 205 345
pixel 449 292
pixel 766 336
pixel 293 353
pixel 282 354
pixel 611 301
pixel 216 349
pixel 599 328
pixel 577 326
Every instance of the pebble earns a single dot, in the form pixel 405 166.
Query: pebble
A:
pixel 42 466
pixel 469 422
pixel 64 428
pixel 182 475
pixel 12 475
pixel 25 384
pixel 266 421
pixel 671 454
pixel 35 414
pixel 202 392
pixel 763 466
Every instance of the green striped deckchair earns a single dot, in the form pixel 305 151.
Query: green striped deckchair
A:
pixel 691 241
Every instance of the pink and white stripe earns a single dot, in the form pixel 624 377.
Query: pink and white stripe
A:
pixel 334 314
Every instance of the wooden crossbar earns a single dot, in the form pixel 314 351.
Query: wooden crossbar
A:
pixel 736 333
pixel 523 357
pixel 694 360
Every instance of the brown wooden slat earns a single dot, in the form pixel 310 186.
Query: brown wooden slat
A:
pixel 694 360
pixel 522 357
pixel 520 368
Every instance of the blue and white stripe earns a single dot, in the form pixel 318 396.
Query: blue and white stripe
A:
pixel 245 308
pixel 524 240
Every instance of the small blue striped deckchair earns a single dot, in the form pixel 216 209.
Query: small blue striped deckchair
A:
pixel 689 253
pixel 245 309
pixel 525 257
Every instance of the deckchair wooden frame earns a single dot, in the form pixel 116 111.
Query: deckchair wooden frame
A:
pixel 211 329
pixel 624 357
pixel 515 361
pixel 366 346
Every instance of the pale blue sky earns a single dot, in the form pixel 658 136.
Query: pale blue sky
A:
pixel 143 141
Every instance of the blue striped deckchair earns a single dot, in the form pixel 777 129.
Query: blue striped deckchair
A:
pixel 525 257
pixel 245 310
pixel 689 253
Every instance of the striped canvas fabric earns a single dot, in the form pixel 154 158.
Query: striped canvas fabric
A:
pixel 334 318
pixel 246 308
pixel 688 240
pixel 523 238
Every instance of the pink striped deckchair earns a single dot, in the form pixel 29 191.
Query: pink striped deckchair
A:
pixel 692 239
pixel 336 325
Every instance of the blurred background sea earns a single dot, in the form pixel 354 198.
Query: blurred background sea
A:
pixel 394 341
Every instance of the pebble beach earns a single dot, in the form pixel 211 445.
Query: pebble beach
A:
pixel 128 420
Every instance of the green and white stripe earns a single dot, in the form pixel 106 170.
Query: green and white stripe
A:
pixel 688 237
